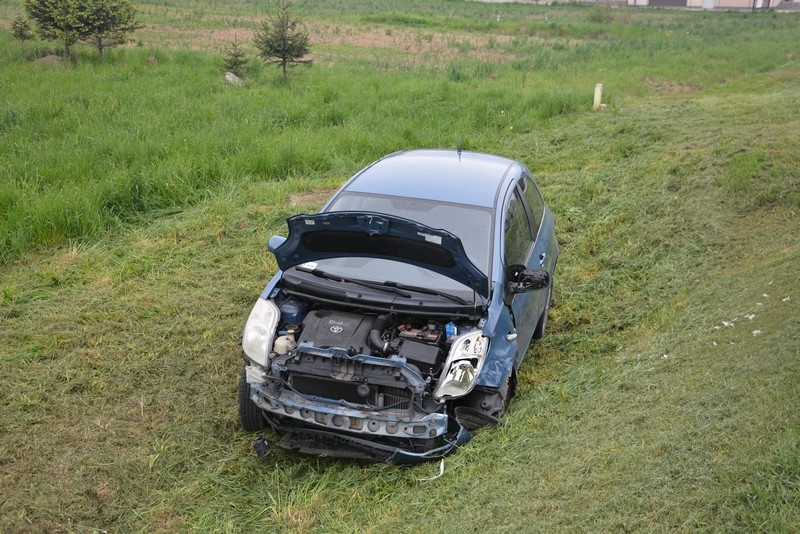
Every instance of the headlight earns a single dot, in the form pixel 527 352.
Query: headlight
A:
pixel 259 332
pixel 462 367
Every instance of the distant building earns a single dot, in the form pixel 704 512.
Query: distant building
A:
pixel 778 5
pixel 713 4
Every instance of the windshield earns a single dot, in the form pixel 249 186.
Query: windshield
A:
pixel 383 270
pixel 472 225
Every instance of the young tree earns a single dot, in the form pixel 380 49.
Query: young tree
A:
pixel 21 28
pixel 281 38
pixel 53 20
pixel 104 23
pixel 101 23
pixel 235 59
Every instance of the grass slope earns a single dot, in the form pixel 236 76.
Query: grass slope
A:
pixel 664 397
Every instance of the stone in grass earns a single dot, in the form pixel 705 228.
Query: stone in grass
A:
pixel 49 59
pixel 233 79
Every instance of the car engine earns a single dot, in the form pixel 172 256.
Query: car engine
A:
pixel 310 339
pixel 420 343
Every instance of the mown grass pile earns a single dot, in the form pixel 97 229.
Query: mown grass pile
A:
pixel 136 200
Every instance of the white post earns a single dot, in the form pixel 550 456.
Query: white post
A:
pixel 598 96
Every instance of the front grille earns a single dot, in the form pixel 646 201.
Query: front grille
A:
pixel 337 390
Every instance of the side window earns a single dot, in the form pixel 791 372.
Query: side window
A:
pixel 518 231
pixel 535 203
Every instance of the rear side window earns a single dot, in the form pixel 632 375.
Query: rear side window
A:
pixel 535 202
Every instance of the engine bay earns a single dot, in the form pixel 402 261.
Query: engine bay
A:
pixel 422 343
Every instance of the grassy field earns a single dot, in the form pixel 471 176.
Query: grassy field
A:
pixel 136 201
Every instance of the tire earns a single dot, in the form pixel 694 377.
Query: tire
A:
pixel 485 408
pixel 541 327
pixel 250 416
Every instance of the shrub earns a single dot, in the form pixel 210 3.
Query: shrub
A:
pixel 235 59
pixel 21 28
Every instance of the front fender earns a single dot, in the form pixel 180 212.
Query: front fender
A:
pixel 502 356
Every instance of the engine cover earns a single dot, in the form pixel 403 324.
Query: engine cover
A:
pixel 334 329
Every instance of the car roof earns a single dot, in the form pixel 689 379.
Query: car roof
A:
pixel 443 175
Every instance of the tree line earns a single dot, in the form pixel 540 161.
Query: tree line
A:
pixel 105 23
pixel 100 23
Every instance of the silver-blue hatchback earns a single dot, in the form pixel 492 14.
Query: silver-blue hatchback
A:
pixel 402 311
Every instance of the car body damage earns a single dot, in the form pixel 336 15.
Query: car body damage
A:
pixel 331 379
pixel 384 338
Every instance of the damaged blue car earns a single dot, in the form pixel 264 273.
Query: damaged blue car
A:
pixel 402 310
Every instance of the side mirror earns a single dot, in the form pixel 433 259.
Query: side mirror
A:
pixel 520 279
pixel 274 242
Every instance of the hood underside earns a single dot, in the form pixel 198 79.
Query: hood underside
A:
pixel 374 235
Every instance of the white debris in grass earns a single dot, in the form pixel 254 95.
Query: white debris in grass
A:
pixel 749 316
pixel 434 477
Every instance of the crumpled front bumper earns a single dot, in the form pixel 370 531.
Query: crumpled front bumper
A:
pixel 325 429
pixel 334 444
pixel 398 430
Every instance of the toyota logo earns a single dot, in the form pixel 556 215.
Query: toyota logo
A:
pixel 336 329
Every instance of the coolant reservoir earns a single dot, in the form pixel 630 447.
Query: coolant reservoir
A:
pixel 284 344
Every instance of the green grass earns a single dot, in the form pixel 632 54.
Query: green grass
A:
pixel 136 201
pixel 89 145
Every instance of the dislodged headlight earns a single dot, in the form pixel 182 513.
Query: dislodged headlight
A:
pixel 259 332
pixel 462 367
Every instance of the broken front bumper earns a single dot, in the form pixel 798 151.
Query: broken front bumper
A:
pixel 333 444
pixel 329 403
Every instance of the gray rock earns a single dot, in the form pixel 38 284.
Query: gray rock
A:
pixel 48 60
pixel 233 79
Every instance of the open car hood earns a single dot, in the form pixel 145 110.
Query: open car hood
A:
pixel 376 235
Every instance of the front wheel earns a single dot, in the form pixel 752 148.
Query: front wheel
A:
pixel 250 415
pixel 486 407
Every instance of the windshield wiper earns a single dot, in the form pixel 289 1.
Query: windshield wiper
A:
pixel 392 287
pixel 363 283
pixel 427 291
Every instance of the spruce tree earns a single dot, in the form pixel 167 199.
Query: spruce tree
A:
pixel 54 21
pixel 235 59
pixel 105 23
pixel 101 23
pixel 21 28
pixel 282 39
